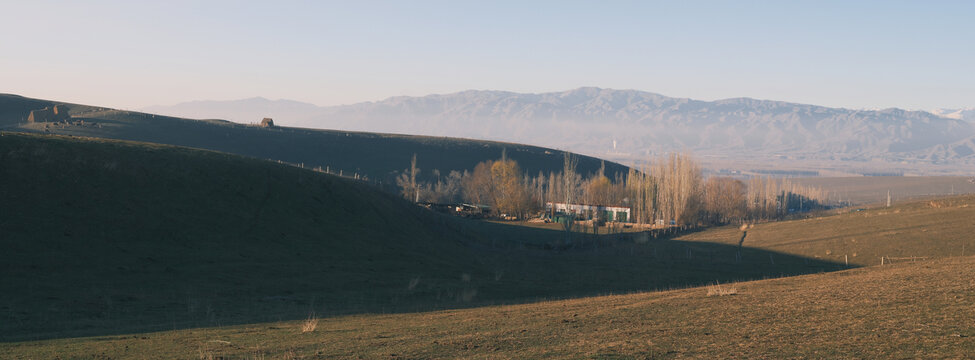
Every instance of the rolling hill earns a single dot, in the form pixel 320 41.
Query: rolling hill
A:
pixel 105 236
pixel 374 155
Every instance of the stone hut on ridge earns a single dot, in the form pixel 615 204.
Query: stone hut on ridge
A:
pixel 267 122
pixel 57 113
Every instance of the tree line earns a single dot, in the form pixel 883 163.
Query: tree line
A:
pixel 671 191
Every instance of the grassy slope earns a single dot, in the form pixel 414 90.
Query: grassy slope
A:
pixel 927 228
pixel 106 237
pixel 105 234
pixel 371 154
pixel 920 310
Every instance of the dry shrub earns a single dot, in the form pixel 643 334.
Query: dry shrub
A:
pixel 309 324
pixel 206 354
pixel 718 290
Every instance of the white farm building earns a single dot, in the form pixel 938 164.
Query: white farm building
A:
pixel 608 213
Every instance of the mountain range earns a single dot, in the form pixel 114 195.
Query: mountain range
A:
pixel 967 114
pixel 631 124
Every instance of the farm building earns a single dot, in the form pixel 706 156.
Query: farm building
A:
pixel 465 210
pixel 608 213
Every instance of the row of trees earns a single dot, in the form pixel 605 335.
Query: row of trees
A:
pixel 672 191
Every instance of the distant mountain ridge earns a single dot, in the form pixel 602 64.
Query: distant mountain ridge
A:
pixel 637 124
pixel 967 114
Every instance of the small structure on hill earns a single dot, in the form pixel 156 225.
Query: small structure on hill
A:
pixel 61 113
pixel 58 113
pixel 267 122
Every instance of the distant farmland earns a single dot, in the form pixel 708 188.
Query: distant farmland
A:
pixel 873 189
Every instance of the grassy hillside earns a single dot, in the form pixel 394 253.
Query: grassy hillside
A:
pixel 103 236
pixel 932 228
pixel 920 310
pixel 370 154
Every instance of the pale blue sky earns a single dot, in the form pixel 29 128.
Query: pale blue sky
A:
pixel 130 54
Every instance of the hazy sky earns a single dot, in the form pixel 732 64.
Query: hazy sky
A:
pixel 130 54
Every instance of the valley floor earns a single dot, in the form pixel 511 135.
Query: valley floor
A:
pixel 907 310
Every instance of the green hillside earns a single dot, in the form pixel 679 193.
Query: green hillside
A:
pixel 103 236
pixel 373 155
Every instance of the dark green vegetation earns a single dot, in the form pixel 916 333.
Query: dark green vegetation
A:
pixel 102 236
pixel 376 156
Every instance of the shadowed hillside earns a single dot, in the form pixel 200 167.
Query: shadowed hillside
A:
pixel 904 311
pixel 373 155
pixel 105 236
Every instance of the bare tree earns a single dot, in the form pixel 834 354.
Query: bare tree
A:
pixel 570 185
pixel 641 189
pixel 477 185
pixel 680 187
pixel 510 195
pixel 724 200
pixel 407 182
pixel 414 171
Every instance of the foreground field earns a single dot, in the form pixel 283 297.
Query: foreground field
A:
pixel 910 310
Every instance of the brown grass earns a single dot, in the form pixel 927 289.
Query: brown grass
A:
pixel 928 228
pixel 906 310
pixel 717 289
pixel 309 324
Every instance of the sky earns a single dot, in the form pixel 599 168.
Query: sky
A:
pixel 132 54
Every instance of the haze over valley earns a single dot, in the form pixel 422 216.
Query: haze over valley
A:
pixel 633 126
pixel 487 180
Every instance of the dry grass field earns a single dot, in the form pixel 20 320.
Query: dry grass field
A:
pixel 907 310
pixel 860 190
pixel 933 228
